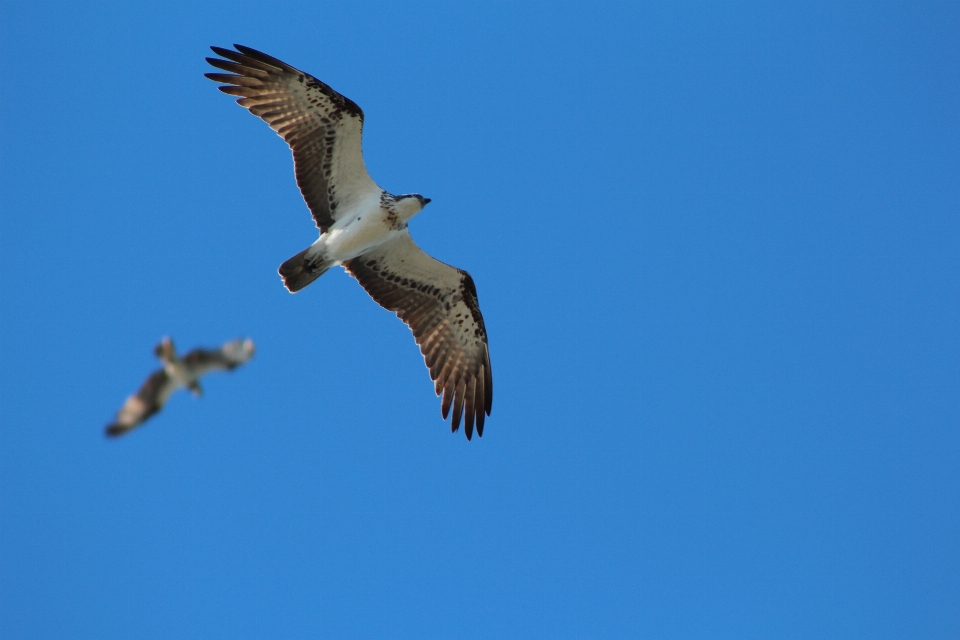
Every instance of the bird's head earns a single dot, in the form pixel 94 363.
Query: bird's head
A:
pixel 165 350
pixel 410 205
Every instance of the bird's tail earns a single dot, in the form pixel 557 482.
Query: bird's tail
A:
pixel 299 271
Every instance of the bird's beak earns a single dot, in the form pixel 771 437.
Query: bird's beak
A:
pixel 426 201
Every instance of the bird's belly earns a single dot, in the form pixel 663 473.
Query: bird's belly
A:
pixel 179 374
pixel 360 234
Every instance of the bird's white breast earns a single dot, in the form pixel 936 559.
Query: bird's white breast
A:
pixel 179 374
pixel 366 227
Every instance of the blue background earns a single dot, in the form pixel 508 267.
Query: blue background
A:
pixel 717 252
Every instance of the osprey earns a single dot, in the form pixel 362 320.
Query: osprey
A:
pixel 176 373
pixel 364 228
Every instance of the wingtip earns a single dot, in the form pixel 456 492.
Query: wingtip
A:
pixel 247 50
pixel 113 430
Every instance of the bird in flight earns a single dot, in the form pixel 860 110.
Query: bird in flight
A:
pixel 364 229
pixel 176 373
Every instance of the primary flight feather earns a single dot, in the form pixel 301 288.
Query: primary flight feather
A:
pixel 364 228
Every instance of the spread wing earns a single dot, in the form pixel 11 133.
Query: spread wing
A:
pixel 144 403
pixel 439 304
pixel 231 355
pixel 322 127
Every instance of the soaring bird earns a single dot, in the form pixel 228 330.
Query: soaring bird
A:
pixel 364 228
pixel 176 373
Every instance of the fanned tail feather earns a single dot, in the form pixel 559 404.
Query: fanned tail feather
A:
pixel 298 272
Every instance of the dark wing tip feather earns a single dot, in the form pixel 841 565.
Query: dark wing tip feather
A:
pixel 234 90
pixel 457 405
pixel 480 399
pixel 445 405
pixel 114 430
pixel 260 56
pixel 470 411
pixel 488 385
pixel 225 78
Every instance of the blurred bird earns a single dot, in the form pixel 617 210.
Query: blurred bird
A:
pixel 177 373
pixel 364 228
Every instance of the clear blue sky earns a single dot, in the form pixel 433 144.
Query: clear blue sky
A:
pixel 717 252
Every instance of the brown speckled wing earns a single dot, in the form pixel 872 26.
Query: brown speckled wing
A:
pixel 322 127
pixel 231 355
pixel 151 397
pixel 439 304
